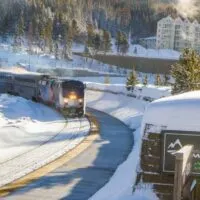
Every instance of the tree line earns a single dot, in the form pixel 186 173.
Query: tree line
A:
pixel 184 76
pixel 138 19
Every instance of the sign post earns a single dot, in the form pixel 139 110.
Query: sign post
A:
pixel 182 169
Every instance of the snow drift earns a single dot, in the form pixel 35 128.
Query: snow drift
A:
pixel 179 112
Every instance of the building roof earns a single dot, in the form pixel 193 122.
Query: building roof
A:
pixel 178 20
pixel 149 38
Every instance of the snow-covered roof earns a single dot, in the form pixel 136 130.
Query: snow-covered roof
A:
pixel 195 22
pixel 167 19
pixel 18 70
pixel 178 20
pixel 179 112
pixel 149 38
pixel 187 21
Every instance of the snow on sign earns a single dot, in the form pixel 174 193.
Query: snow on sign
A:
pixel 174 141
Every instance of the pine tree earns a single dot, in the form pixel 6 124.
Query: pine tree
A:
pixel 158 80
pixel 42 35
pixel 91 35
pixel 75 29
pixel 30 36
pixel 131 80
pixel 145 80
pixel 166 79
pixel 122 43
pixel 119 39
pixel 186 72
pixel 107 79
pixel 106 41
pixel 48 34
pixel 124 46
pixel 66 38
pixel 21 26
pixel 20 31
pixel 97 43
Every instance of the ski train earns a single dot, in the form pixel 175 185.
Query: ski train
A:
pixel 67 96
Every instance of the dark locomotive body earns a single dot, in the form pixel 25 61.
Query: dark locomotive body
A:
pixel 68 96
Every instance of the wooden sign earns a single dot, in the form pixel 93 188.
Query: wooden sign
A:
pixel 174 141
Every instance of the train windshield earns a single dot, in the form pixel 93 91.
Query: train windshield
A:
pixel 73 88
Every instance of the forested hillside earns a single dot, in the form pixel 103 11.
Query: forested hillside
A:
pixel 112 15
pixel 51 23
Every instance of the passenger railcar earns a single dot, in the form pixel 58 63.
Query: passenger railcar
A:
pixel 68 96
pixel 73 97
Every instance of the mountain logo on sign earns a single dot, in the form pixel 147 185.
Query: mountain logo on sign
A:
pixel 174 146
pixel 196 155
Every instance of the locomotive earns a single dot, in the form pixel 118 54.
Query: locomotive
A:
pixel 65 95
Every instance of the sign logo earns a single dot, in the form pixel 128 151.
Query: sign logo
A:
pixel 175 141
pixel 196 155
pixel 174 146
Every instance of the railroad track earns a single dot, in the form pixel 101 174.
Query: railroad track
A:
pixel 85 169
pixel 73 133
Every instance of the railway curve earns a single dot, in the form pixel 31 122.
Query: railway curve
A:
pixel 84 175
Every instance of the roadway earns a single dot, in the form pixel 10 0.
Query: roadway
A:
pixel 84 175
pixel 142 64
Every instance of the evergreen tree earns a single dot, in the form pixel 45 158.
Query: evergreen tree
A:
pixel 48 34
pixel 124 46
pixel 20 30
pixel 135 50
pixel 166 79
pixel 30 36
pixel 97 43
pixel 56 50
pixel 106 41
pixel 145 80
pixel 107 79
pixel 158 80
pixel 131 80
pixel 75 30
pixel 119 39
pixel 122 43
pixel 66 38
pixel 42 36
pixel 91 35
pixel 186 72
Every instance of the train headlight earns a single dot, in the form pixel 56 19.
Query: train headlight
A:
pixel 80 100
pixel 65 100
pixel 72 96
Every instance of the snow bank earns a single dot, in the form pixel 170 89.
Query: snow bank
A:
pixel 147 93
pixel 179 112
pixel 23 121
pixel 130 111
pixel 33 135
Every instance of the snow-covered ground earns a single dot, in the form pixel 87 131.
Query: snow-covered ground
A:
pixel 130 111
pixel 122 80
pixel 23 122
pixel 8 58
pixel 179 112
pixel 33 135
pixel 149 92
pixel 139 51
